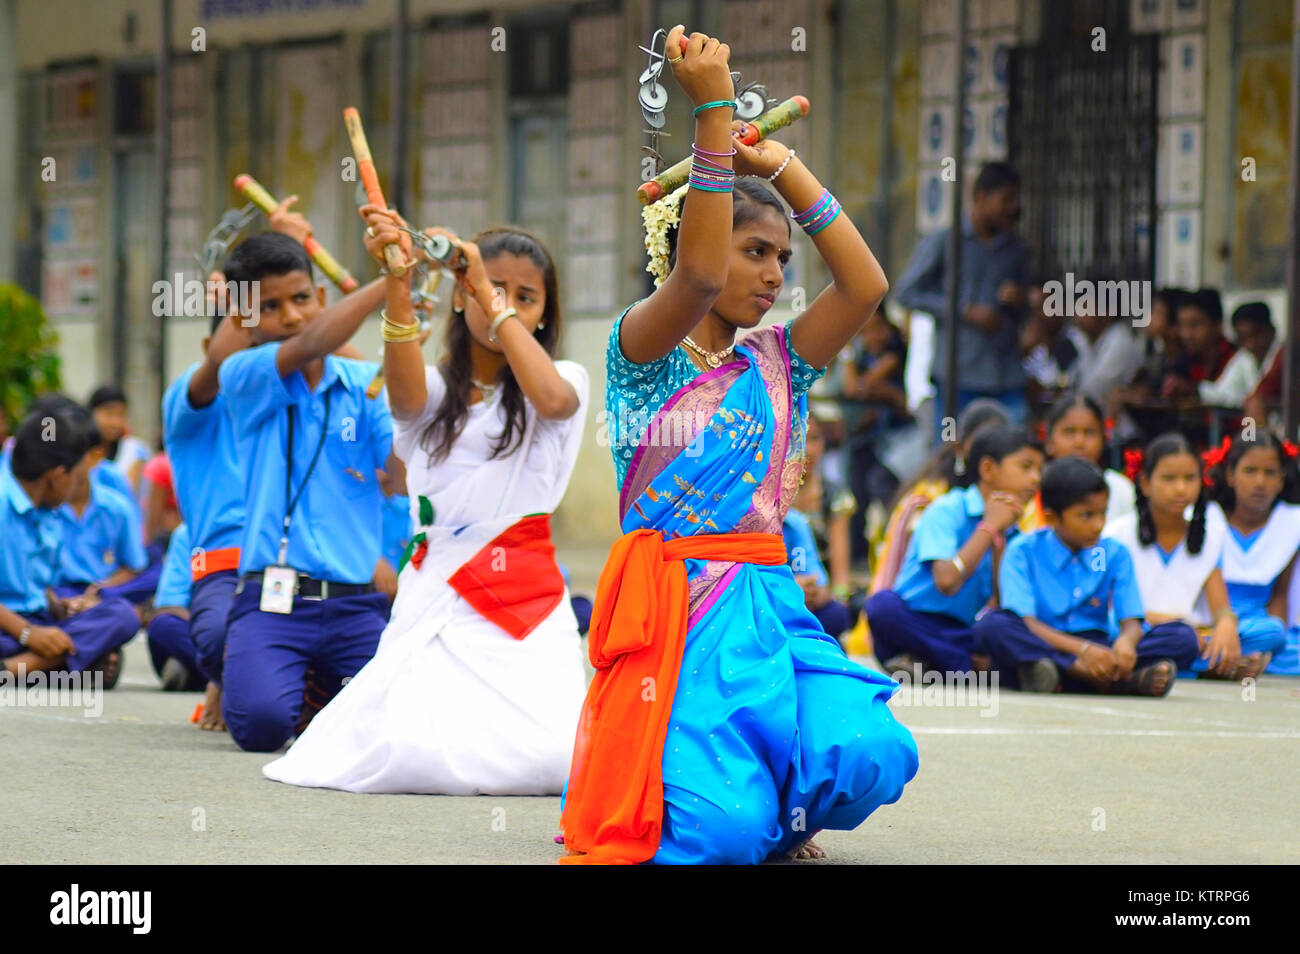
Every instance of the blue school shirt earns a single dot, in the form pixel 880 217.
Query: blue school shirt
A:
pixel 176 577
pixel 106 474
pixel 105 538
pixel 397 527
pixel 336 528
pixel 801 547
pixel 1069 590
pixel 30 538
pixel 943 529
pixel 209 484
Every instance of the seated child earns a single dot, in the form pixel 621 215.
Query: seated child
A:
pixel 945 470
pixel 822 510
pixel 1254 482
pixel 1058 585
pixel 1178 559
pixel 1075 427
pixel 37 479
pixel 947 575
pixel 1252 324
pixel 171 647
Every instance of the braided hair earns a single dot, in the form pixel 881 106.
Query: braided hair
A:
pixel 1167 445
pixel 1217 475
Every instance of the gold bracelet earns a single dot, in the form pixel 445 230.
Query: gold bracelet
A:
pixel 397 332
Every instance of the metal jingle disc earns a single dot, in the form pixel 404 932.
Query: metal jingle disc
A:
pixel 653 96
pixel 750 106
pixel 652 72
pixel 653 119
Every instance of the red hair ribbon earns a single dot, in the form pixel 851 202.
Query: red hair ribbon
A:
pixel 1042 432
pixel 1108 428
pixel 1290 449
pixel 1132 462
pixel 1214 457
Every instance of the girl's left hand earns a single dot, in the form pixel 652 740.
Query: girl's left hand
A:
pixel 761 159
pixel 1223 648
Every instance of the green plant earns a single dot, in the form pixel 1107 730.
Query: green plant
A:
pixel 29 363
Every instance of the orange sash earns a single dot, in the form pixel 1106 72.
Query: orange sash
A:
pixel 613 811
pixel 211 561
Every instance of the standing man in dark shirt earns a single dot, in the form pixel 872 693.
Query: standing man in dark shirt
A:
pixel 992 295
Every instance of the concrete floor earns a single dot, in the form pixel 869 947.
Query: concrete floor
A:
pixel 1203 776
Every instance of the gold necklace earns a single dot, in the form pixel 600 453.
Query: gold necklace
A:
pixel 713 359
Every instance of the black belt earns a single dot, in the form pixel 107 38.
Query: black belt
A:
pixel 310 588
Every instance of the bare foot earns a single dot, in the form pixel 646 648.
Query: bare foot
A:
pixel 211 720
pixel 808 851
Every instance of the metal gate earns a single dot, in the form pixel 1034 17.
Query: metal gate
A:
pixel 1082 127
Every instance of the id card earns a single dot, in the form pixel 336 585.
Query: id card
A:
pixel 278 586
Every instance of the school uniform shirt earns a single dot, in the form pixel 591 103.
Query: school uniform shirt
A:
pixel 105 474
pixel 206 475
pixel 1107 363
pixel 1069 590
pixel 943 529
pixel 106 537
pixel 1253 562
pixel 29 553
pixel 336 529
pixel 1123 497
pixel 1171 583
pixel 175 579
pixel 397 527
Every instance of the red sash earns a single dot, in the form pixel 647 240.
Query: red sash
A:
pixel 514 581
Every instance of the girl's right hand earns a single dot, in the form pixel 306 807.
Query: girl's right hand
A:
pixel 382 230
pixel 702 71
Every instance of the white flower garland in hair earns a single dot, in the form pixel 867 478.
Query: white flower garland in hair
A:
pixel 658 217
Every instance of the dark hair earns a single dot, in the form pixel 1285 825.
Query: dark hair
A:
pixel 270 253
pixel 1173 298
pixel 996 175
pixel 105 394
pixel 1068 481
pixel 1066 403
pixel 441 432
pixel 1164 446
pixel 1253 312
pixel 948 463
pixel 52 402
pixel 748 200
pixel 1208 301
pixel 48 439
pixel 997 443
pixel 1217 476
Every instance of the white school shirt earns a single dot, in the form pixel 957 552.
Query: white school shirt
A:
pixel 1271 551
pixel 1123 499
pixel 1173 587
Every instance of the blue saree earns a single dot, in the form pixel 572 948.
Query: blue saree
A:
pixel 773 732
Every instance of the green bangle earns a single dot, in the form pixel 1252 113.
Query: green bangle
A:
pixel 717 102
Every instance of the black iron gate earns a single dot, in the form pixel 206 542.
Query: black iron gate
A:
pixel 1081 130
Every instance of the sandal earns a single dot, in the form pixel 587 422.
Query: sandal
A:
pixel 110 664
pixel 1142 682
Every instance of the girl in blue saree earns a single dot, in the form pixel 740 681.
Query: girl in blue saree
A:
pixel 723 724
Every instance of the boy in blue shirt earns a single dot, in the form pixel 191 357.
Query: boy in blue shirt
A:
pixel 103 549
pixel 1059 586
pixel 308 440
pixel 36 480
pixel 171 647
pixel 947 575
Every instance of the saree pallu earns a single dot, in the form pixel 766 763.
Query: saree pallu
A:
pixel 763 731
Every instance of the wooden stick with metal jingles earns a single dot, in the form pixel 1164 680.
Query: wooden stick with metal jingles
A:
pixel 779 116
pixel 370 180
pixel 327 263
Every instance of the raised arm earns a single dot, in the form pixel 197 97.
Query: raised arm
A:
pixel 657 325
pixel 330 330
pixel 857 281
pixel 403 360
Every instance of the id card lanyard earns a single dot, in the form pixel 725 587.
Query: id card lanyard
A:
pixel 291 503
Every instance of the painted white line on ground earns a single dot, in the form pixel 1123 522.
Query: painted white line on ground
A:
pixel 1162 733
